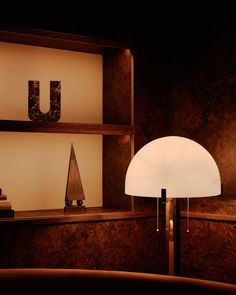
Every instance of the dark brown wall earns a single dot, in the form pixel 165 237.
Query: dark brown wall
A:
pixel 188 88
pixel 208 250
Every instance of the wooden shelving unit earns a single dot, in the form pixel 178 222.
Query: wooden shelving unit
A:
pixel 117 126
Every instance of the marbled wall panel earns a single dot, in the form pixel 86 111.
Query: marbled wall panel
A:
pixel 117 73
pixel 208 250
pixel 189 90
pixel 150 104
pixel 187 87
pixel 129 245
pixel 116 153
pixel 204 110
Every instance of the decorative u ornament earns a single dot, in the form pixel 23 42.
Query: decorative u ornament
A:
pixel 34 111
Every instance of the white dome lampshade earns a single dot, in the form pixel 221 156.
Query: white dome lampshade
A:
pixel 178 164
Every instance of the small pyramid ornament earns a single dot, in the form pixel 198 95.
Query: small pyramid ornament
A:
pixel 74 188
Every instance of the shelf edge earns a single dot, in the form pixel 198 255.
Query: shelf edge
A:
pixel 60 127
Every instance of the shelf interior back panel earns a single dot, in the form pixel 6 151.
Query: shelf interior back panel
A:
pixel 80 75
pixel 34 168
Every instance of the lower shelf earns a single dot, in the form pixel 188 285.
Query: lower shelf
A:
pixel 59 216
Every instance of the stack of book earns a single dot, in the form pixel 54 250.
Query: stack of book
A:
pixel 5 206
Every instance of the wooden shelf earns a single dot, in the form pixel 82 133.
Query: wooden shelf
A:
pixel 36 37
pixel 92 214
pixel 55 127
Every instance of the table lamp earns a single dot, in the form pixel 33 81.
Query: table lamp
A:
pixel 172 167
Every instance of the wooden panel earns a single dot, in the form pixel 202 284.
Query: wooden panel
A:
pixel 117 109
pixel 209 216
pixel 116 158
pixel 208 250
pixel 225 205
pixel 110 245
pixel 55 127
pixel 117 76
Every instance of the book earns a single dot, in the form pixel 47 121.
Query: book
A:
pixel 7 213
pixel 3 197
pixel 5 205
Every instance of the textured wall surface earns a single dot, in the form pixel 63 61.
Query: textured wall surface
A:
pixel 193 94
pixel 208 250
pixel 111 245
pixel 189 89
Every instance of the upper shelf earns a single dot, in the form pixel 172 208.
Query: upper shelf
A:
pixel 55 127
pixel 117 81
pixel 59 40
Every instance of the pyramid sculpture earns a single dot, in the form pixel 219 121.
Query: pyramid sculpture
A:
pixel 74 188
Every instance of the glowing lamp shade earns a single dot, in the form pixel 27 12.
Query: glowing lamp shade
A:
pixel 178 164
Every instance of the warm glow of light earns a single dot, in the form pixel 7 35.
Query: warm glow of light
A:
pixel 80 75
pixel 178 164
pixel 34 168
